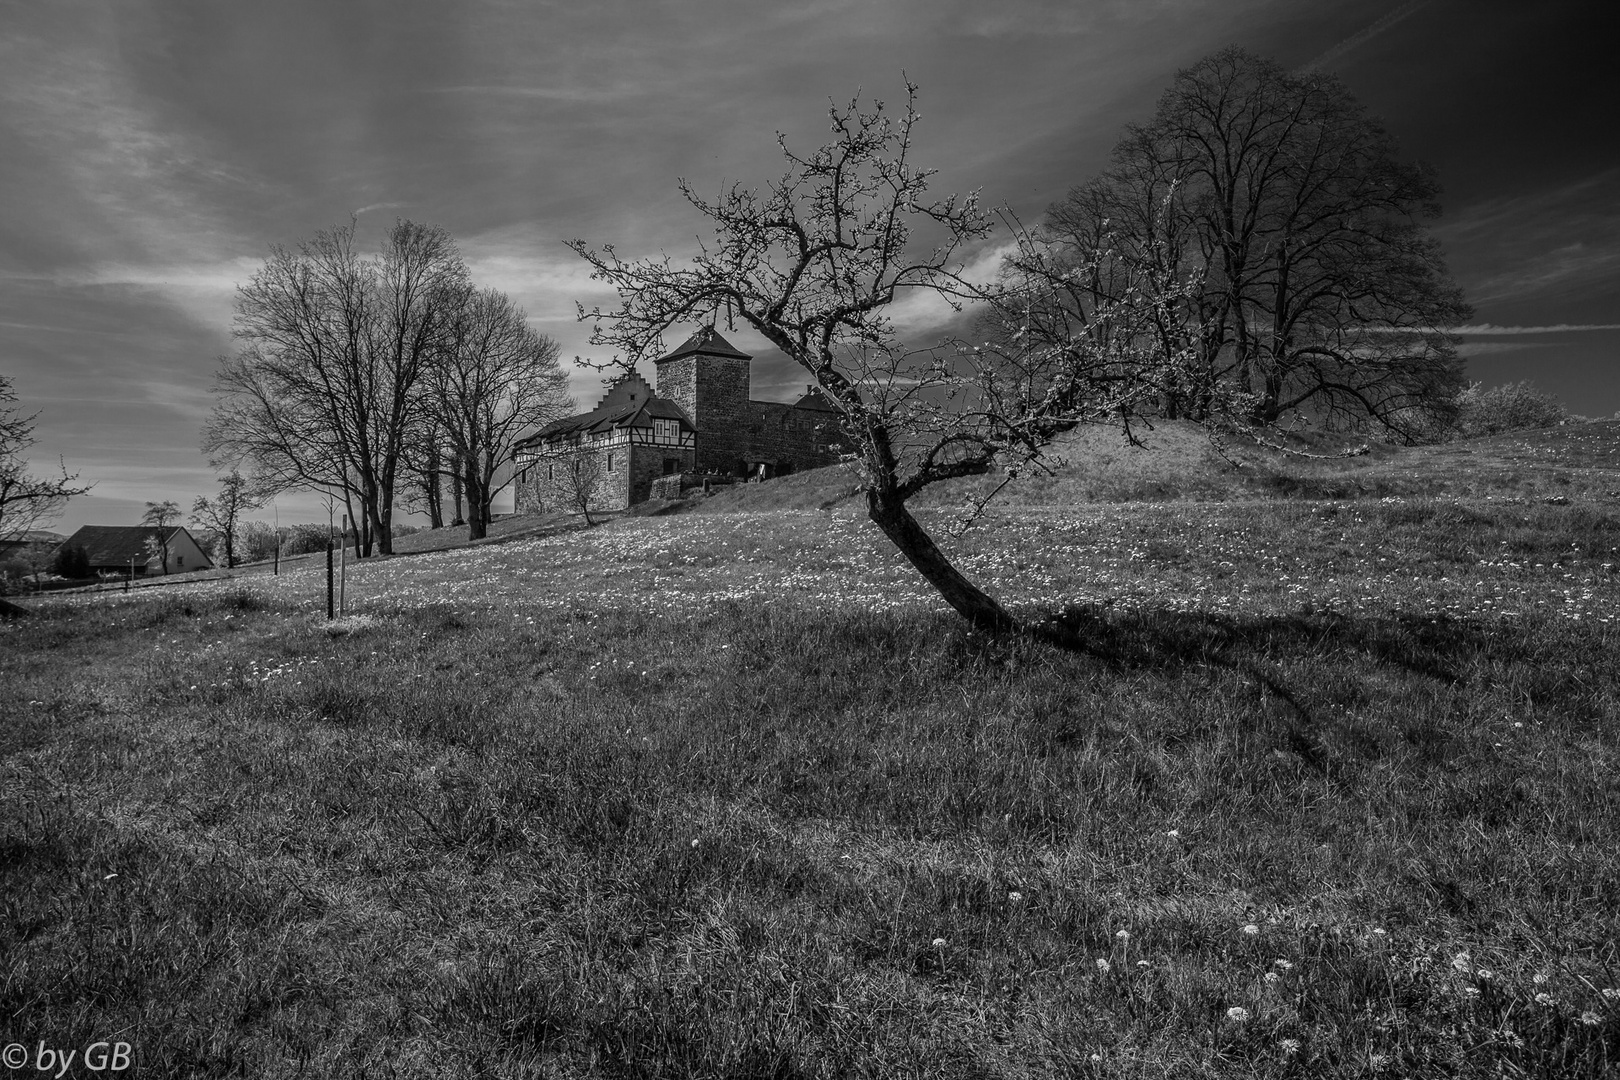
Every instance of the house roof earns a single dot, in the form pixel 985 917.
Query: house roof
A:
pixel 815 399
pixel 616 415
pixel 115 545
pixel 707 341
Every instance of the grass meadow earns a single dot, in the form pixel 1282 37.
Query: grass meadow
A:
pixel 730 795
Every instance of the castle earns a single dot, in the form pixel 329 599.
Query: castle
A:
pixel 700 423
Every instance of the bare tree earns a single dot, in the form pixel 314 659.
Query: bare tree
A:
pixel 425 468
pixel 159 517
pixel 814 265
pixel 327 386
pixel 571 481
pixel 222 515
pixel 497 380
pixel 27 502
pixel 1320 291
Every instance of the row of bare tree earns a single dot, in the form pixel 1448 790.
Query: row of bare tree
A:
pixel 368 377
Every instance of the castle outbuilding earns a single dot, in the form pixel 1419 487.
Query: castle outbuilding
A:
pixel 699 423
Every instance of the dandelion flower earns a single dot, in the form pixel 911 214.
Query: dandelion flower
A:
pixel 1143 963
pixel 1015 896
pixel 1173 833
pixel 1471 991
pixel 1545 998
pixel 1290 1047
pixel 1283 965
pixel 1237 1014
pixel 1380 931
pixel 1611 994
pixel 1379 1061
pixel 1273 977
pixel 939 943
pixel 1103 966
pixel 1122 935
pixel 1251 929
pixel 1590 1018
pixel 1485 973
pixel 1539 979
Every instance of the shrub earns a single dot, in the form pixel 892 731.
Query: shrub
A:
pixel 255 541
pixel 1515 406
pixel 304 539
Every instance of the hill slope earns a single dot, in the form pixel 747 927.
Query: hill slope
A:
pixel 1177 461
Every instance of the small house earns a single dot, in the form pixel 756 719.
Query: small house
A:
pixel 123 549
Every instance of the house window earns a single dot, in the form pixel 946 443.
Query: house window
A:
pixel 610 461
pixel 180 560
pixel 666 430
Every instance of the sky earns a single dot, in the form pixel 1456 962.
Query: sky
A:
pixel 152 151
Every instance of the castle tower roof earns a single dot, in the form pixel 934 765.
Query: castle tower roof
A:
pixel 708 342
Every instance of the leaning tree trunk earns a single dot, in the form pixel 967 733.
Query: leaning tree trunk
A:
pixel 889 513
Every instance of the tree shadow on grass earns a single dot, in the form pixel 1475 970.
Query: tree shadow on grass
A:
pixel 1428 646
pixel 1169 642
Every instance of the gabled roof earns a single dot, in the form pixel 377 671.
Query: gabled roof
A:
pixel 115 545
pixel 708 342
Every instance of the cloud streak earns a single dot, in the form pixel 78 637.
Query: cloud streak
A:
pixel 1360 38
pixel 1492 330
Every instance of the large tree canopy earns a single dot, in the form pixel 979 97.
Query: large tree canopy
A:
pixel 1318 290
pixel 329 383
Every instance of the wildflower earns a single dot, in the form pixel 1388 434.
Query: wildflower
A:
pixel 1485 973
pixel 1122 935
pixel 939 943
pixel 1014 896
pixel 1251 929
pixel 1290 1047
pixel 1611 994
pixel 1471 991
pixel 1237 1014
pixel 1283 965
pixel 1590 1018
pixel 1143 963
pixel 1539 979
pixel 1103 966
pixel 1379 1061
pixel 1545 998
pixel 1096 1059
pixel 694 841
pixel 1379 931
pixel 1173 833
pixel 1273 977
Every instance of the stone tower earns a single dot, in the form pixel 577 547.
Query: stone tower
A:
pixel 708 377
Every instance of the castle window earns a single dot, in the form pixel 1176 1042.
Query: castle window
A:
pixel 610 461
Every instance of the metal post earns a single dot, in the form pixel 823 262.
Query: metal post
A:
pixel 329 575
pixel 343 567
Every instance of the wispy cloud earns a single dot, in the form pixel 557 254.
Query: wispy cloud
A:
pixel 380 206
pixel 1362 37
pixel 1492 330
